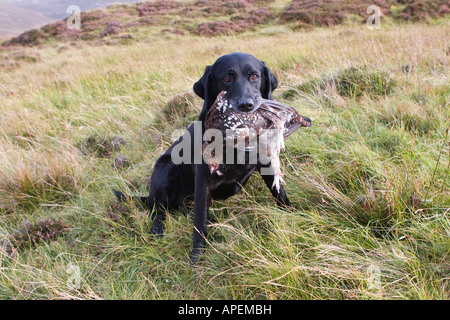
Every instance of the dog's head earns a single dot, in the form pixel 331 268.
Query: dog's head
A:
pixel 245 78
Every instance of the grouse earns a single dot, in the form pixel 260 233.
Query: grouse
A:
pixel 271 123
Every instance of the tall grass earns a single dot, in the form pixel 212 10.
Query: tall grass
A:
pixel 369 180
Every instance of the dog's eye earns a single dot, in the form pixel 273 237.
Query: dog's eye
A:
pixel 227 79
pixel 254 76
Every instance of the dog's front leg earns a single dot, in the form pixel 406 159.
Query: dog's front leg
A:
pixel 280 196
pixel 202 200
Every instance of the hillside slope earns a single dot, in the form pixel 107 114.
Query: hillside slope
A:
pixel 224 17
pixel 14 20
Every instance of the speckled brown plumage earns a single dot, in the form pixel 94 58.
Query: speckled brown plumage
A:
pixel 283 120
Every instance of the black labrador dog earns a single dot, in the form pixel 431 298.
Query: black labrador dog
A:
pixel 246 80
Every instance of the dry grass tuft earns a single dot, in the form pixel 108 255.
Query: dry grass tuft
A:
pixel 39 179
pixel 34 233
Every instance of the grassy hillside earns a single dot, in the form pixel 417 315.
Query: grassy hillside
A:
pixel 369 180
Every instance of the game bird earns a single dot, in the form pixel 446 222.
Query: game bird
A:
pixel 266 127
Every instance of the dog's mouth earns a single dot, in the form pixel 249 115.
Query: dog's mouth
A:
pixel 248 106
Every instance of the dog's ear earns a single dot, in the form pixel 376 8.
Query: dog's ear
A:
pixel 269 84
pixel 202 89
pixel 201 86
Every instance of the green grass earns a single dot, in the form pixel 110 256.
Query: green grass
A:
pixel 369 180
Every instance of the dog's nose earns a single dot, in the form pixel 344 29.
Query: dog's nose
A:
pixel 246 105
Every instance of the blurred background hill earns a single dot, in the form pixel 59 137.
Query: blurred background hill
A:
pixel 17 16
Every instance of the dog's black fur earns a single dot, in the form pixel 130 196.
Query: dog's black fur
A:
pixel 246 80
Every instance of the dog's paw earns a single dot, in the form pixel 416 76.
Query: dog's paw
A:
pixel 157 230
pixel 285 204
pixel 193 258
pixel 120 195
